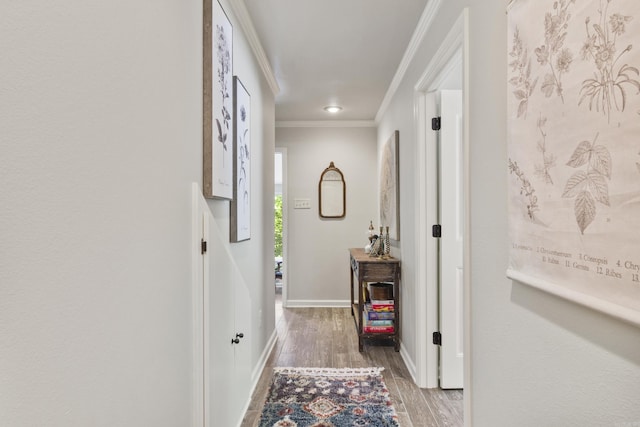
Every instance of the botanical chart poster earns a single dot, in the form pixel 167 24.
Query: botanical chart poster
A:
pixel 222 109
pixel 573 95
pixel 241 203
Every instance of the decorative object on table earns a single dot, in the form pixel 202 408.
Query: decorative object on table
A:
pixel 367 248
pixel 389 186
pixel 387 243
pixel 217 102
pixel 572 132
pixel 328 397
pixel 240 206
pixel 332 192
pixel 376 246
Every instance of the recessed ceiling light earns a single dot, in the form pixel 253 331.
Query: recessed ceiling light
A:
pixel 332 109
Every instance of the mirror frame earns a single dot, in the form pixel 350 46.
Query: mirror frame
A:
pixel 342 209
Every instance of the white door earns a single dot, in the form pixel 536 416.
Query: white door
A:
pixel 241 381
pixel 451 242
pixel 219 361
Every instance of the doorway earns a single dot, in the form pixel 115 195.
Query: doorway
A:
pixel 280 230
pixel 447 70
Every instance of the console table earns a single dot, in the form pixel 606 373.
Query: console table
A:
pixel 370 269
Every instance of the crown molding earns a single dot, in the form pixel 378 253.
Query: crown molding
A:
pixel 242 14
pixel 428 15
pixel 327 124
pixel 446 57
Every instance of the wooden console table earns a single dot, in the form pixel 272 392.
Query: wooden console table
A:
pixel 369 269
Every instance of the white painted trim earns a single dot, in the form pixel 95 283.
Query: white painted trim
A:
pixel 197 307
pixel 262 362
pixel 446 58
pixel 426 250
pixel 466 147
pixel 411 367
pixel 434 73
pixel 285 228
pixel 206 318
pixel 427 18
pixel 327 124
pixel 241 13
pixel 422 240
pixel 301 303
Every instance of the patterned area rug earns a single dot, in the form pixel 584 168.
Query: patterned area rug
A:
pixel 324 397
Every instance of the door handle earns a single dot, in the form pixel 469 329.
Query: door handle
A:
pixel 236 340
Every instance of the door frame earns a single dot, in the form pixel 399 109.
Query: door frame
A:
pixel 453 52
pixel 198 208
pixel 285 226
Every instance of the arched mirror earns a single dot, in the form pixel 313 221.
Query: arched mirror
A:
pixel 332 192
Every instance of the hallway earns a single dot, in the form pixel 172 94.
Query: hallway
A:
pixel 325 337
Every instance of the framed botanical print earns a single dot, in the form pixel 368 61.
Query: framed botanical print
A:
pixel 217 102
pixel 241 202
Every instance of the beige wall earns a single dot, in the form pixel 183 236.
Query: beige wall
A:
pixel 101 139
pixel 537 360
pixel 318 263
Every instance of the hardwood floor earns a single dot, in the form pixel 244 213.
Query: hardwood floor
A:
pixel 326 337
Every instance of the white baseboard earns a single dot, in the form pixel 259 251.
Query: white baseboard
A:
pixel 301 303
pixel 257 370
pixel 411 366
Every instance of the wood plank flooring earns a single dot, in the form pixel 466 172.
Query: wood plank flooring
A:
pixel 326 337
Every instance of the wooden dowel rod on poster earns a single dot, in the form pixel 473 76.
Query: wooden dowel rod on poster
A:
pixel 620 312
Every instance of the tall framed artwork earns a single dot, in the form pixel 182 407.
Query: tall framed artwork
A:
pixel 573 99
pixel 389 186
pixel 217 102
pixel 241 202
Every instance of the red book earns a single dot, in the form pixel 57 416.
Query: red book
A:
pixel 378 329
pixel 382 307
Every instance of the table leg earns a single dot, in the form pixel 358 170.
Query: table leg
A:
pixel 351 277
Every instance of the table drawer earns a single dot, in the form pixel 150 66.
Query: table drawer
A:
pixel 377 272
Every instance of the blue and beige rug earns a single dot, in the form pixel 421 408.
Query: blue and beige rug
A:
pixel 325 397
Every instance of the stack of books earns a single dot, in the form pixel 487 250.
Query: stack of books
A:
pixel 378 317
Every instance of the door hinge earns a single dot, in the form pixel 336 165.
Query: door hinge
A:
pixel 436 230
pixel 203 246
pixel 437 338
pixel 435 123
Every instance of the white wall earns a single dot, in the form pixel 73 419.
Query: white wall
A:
pixel 318 264
pixel 101 138
pixel 537 360
pixel 255 256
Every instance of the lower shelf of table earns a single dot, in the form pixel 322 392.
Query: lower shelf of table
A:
pixel 395 336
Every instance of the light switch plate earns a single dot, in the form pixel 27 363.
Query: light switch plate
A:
pixel 301 203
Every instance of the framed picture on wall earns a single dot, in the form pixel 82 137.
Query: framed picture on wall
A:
pixel 217 102
pixel 241 202
pixel 389 187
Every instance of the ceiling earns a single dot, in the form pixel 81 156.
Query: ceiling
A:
pixel 325 52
